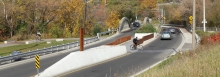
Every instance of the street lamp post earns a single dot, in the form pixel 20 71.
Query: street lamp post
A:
pixel 204 20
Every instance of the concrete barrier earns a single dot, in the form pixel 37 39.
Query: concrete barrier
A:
pixel 141 35
pixel 76 60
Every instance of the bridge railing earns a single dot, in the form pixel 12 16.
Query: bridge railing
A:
pixel 106 32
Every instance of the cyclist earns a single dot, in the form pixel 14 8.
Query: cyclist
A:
pixel 135 41
pixel 39 35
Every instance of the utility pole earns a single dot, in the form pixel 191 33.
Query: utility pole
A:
pixel 204 20
pixel 162 17
pixel 194 24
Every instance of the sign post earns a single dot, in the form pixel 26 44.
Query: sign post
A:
pixel 37 63
pixel 194 24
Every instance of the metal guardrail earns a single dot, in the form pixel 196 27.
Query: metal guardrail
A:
pixel 209 28
pixel 106 32
pixel 198 39
pixel 48 50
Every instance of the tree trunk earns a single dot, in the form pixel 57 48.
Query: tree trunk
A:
pixel 11 32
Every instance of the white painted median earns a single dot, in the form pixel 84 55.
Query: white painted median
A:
pixel 76 60
pixel 140 35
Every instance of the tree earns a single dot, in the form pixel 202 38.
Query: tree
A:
pixel 147 4
pixel 213 17
pixel 113 20
pixel 120 8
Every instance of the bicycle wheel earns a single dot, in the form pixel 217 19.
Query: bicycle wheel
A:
pixel 37 38
pixel 132 47
pixel 140 47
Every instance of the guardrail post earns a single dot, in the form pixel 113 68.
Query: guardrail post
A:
pixel 90 41
pixel 57 48
pixel 44 51
pixel 38 49
pixel 29 51
pixel 112 30
pixel 98 35
pixel 51 49
pixel 77 43
pixel 85 42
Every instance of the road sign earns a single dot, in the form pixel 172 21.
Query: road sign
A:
pixel 190 18
pixel 203 21
pixel 191 22
pixel 37 62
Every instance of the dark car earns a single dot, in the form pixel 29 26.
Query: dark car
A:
pixel 172 30
pixel 16 56
pixel 136 24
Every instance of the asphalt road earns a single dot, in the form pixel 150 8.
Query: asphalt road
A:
pixel 132 62
pixel 26 68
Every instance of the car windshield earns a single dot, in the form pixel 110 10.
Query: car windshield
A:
pixel 172 29
pixel 165 33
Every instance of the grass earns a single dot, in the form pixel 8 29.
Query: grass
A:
pixel 155 22
pixel 149 28
pixel 204 34
pixel 33 46
pixel 202 62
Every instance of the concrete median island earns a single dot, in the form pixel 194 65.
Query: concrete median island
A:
pixel 76 60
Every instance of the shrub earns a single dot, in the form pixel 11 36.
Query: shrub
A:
pixel 204 34
pixel 149 28
pixel 96 29
pixel 55 31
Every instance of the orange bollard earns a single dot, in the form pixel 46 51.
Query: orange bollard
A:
pixel 81 39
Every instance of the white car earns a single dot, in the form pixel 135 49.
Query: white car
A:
pixel 166 35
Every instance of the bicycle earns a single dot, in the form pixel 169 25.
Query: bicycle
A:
pixel 38 38
pixel 138 47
